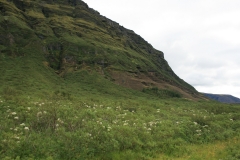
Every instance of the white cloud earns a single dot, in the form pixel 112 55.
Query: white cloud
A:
pixel 200 39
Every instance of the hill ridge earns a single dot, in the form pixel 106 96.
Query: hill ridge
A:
pixel 224 98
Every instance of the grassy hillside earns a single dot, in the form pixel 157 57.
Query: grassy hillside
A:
pixel 44 116
pixel 63 67
pixel 68 36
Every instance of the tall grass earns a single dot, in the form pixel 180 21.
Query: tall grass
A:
pixel 100 126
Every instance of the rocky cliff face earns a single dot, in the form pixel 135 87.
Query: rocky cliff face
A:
pixel 71 37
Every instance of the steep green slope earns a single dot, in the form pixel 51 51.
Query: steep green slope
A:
pixel 68 37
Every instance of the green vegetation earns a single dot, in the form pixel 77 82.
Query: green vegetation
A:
pixel 71 35
pixel 58 99
pixel 97 119
pixel 162 92
pixel 103 126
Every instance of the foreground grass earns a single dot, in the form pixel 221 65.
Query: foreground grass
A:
pixel 213 151
pixel 102 126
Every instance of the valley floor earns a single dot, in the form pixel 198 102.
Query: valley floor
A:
pixel 104 126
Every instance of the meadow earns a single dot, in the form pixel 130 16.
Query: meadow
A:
pixel 101 120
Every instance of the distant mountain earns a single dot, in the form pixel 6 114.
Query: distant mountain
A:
pixel 223 98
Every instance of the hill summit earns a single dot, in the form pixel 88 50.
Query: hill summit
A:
pixel 66 37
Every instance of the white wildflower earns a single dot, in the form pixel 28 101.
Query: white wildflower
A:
pixel 17 137
pixel 23 124
pixel 59 120
pixel 16 118
pixel 195 123
pixel 39 114
pixel 13 113
pixel 26 128
pixel 29 108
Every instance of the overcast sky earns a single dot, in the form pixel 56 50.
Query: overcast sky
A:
pixel 200 38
